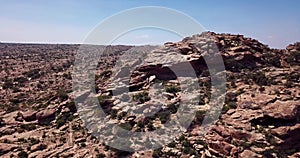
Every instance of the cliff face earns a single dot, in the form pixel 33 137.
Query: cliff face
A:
pixel 260 116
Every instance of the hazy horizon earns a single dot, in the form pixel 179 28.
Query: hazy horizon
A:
pixel 54 22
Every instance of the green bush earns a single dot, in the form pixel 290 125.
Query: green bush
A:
pixel 103 99
pixel 71 105
pixel 35 73
pixel 188 150
pixel 33 141
pixel 20 79
pixel 62 94
pixel 288 84
pixel 121 115
pixel 100 155
pixel 28 127
pixel 201 101
pixel 22 154
pixel 172 89
pixel 293 58
pixel 2 122
pixel 105 74
pixel 233 85
pixel 140 124
pixel 163 116
pixel 261 89
pixel 272 59
pixel 62 139
pixel 157 153
pixel 232 105
pixel 173 108
pixel 126 126
pixel 200 116
pixel 186 143
pixel 150 126
pixel 11 108
pixel 67 76
pixel 60 122
pixel 172 144
pixel 113 113
pixel 8 84
pixel 260 79
pixel 228 106
pixel 202 142
pixel 141 97
pixel 22 140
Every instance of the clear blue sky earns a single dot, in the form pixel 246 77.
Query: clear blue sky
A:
pixel 273 22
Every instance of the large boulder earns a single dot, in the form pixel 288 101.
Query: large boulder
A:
pixel 29 115
pixel 37 147
pixel 46 116
pixel 287 110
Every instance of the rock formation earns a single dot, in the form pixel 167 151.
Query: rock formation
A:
pixel 260 116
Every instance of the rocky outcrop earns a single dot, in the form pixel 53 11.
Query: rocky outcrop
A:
pixel 293 47
pixel 287 110
pixel 260 116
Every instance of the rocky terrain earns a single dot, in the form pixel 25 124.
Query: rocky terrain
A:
pixel 260 116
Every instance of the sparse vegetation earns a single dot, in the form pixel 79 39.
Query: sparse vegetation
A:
pixel 262 80
pixel 33 74
pixel 105 73
pixel 100 155
pixel 62 94
pixel 126 126
pixel 157 153
pixel 33 141
pixel 63 119
pixel 172 89
pixel 261 89
pixel 2 122
pixel 20 79
pixel 103 99
pixel 199 116
pixel 113 113
pixel 8 84
pixel 141 97
pixel 28 127
pixel 22 154
pixel 228 106
pixel 293 58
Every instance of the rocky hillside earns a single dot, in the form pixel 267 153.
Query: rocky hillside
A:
pixel 260 116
